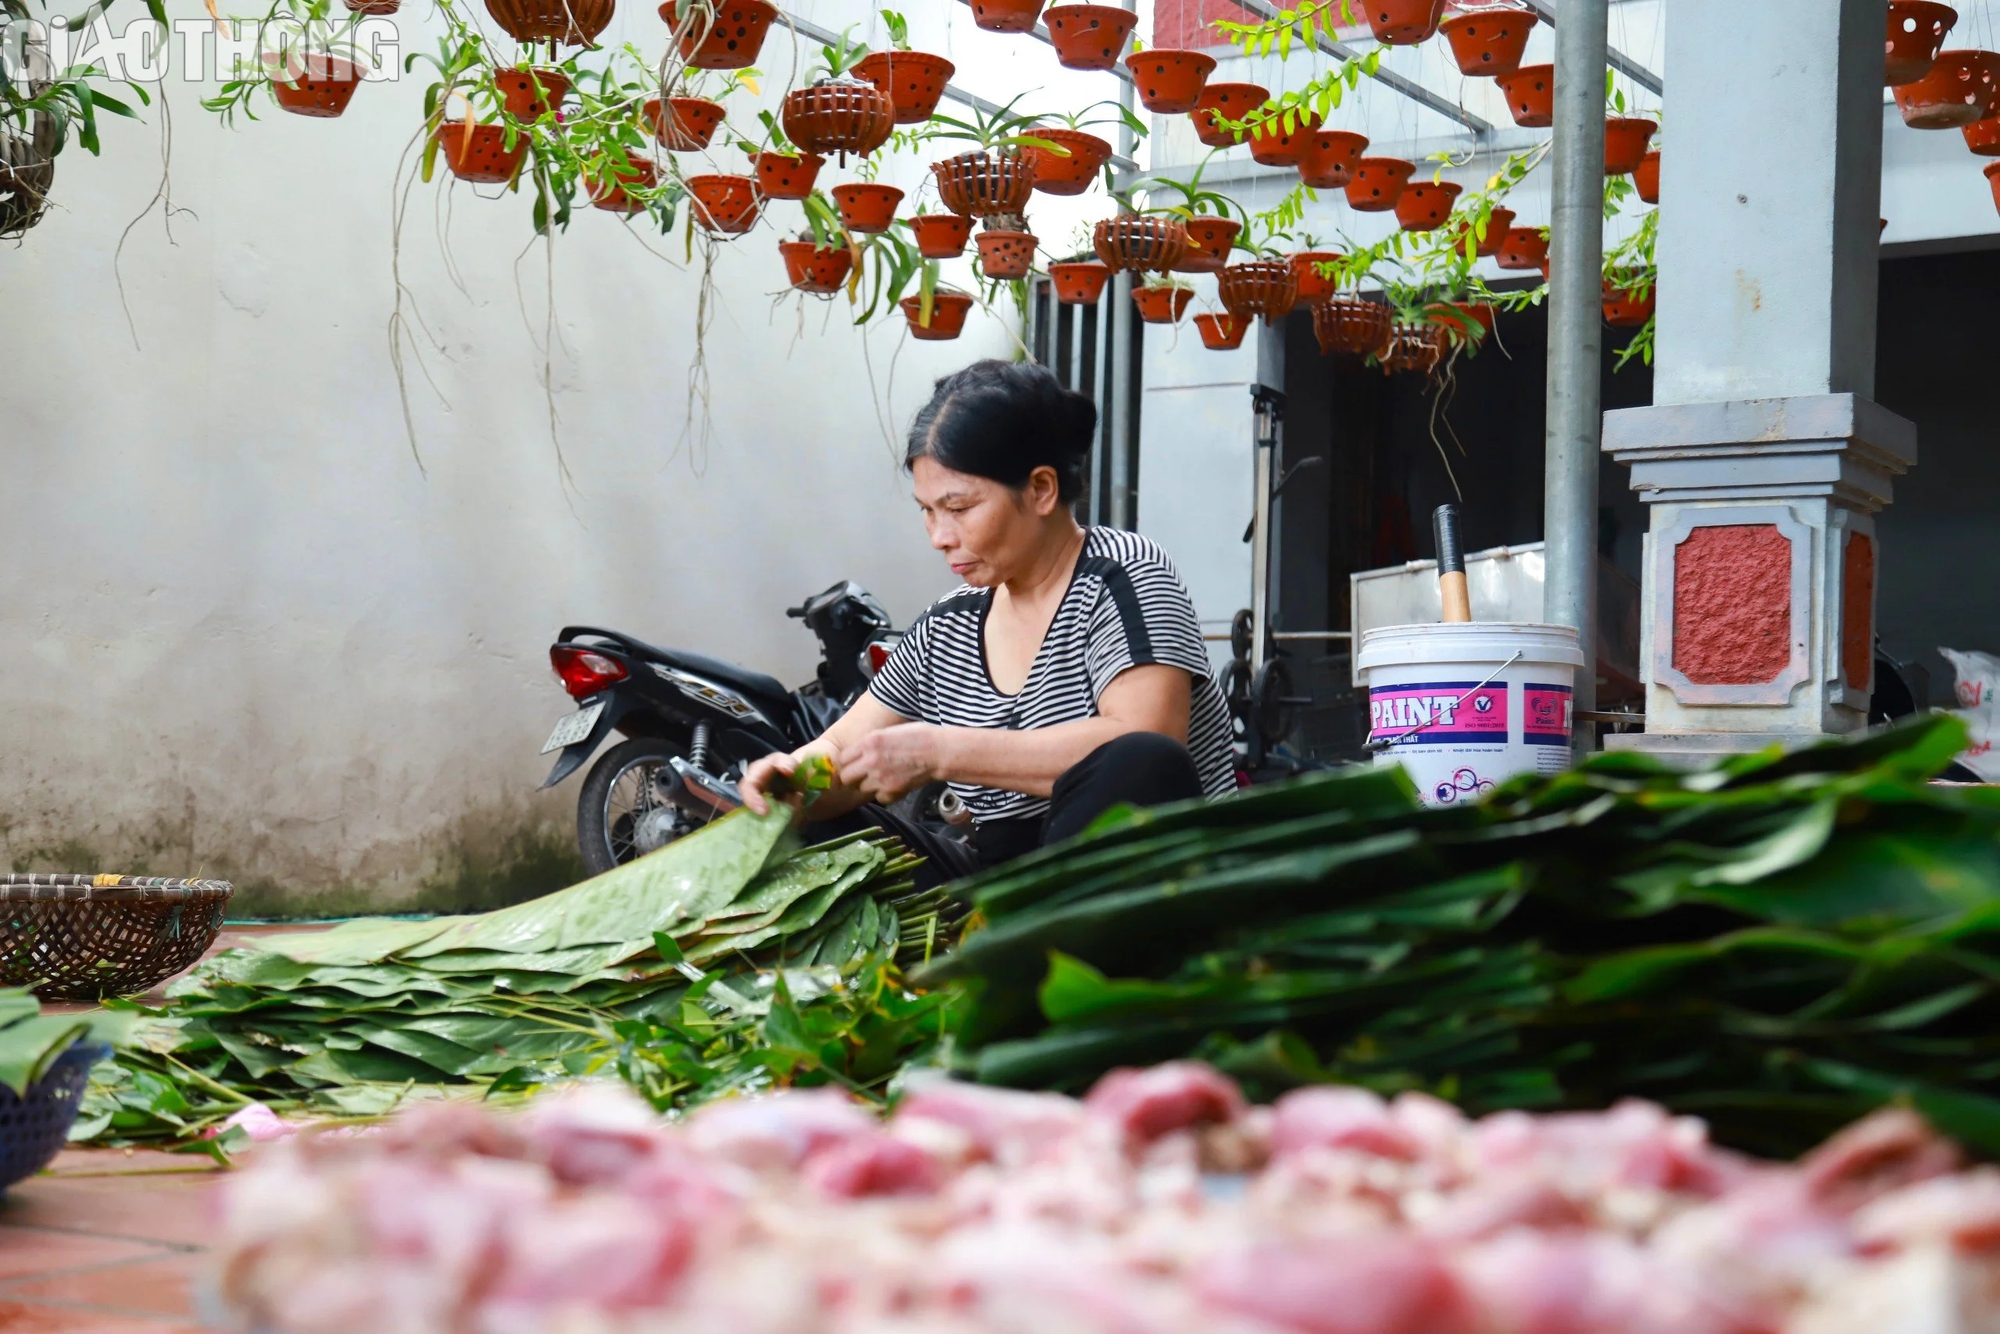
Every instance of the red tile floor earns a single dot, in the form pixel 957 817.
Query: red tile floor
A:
pixel 109 1241
pixel 106 1242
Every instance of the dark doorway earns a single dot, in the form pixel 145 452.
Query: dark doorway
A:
pixel 1398 446
pixel 1941 536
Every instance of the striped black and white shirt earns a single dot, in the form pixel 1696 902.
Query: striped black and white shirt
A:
pixel 1126 607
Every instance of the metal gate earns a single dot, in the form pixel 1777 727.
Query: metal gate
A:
pixel 1097 350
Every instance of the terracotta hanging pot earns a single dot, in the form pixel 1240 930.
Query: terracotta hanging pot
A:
pixel 1424 205
pixel 1647 178
pixel 1992 180
pixel 1917 30
pixel 821 270
pixel 1497 223
pixel 530 93
pixel 983 184
pixel 1006 254
pixel 1313 285
pixel 726 204
pixel 866 206
pixel 322 86
pixel 914 81
pixel 1625 308
pixel 1221 333
pixel 1162 305
pixel 1350 326
pixel 1079 282
pixel 1168 81
pixel 1330 159
pixel 948 312
pixel 1481 313
pixel 1625 140
pixel 1007 15
pixel 1531 95
pixel 784 176
pixel 1233 101
pixel 609 194
pixel 941 235
pixel 683 124
pixel 379 8
pixel 1962 87
pixel 1265 287
pixel 728 34
pixel 1270 145
pixel 838 116
pixel 479 153
pixel 1982 137
pixel 1056 174
pixel 1089 36
pixel 1403 22
pixel 1208 243
pixel 1415 347
pixel 1378 183
pixel 572 22
pixel 1488 43
pixel 1140 243
pixel 1522 248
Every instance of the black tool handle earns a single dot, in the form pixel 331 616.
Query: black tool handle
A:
pixel 1452 590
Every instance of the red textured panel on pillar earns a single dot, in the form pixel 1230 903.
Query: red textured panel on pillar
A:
pixel 1733 604
pixel 1857 610
pixel 1189 24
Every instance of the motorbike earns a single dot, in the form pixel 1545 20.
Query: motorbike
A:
pixel 691 723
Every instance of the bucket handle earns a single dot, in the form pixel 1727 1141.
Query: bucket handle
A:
pixel 1375 747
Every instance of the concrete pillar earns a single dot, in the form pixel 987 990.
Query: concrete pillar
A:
pixel 1763 458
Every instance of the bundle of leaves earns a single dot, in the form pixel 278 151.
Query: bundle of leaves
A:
pixel 31 1042
pixel 1780 944
pixel 691 952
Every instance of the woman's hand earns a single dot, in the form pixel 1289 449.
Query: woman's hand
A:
pixel 755 785
pixel 894 761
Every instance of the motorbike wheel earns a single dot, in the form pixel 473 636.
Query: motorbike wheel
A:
pixel 620 814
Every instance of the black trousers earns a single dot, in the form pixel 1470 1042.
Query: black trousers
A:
pixel 1137 769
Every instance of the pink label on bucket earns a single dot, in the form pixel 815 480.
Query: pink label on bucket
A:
pixel 1545 715
pixel 1438 713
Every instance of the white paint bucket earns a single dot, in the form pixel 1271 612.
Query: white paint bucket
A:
pixel 1463 706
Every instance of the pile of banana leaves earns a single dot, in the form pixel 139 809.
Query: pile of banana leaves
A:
pixel 1779 944
pixel 31 1042
pixel 722 961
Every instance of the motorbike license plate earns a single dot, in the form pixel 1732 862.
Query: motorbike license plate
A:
pixel 573 728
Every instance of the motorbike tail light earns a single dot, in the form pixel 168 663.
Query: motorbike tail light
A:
pixel 877 657
pixel 583 672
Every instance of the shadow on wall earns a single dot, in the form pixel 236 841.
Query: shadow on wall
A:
pixel 489 859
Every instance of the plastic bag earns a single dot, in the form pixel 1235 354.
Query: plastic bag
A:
pixel 1978 686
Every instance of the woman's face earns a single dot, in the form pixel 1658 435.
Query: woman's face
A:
pixel 987 532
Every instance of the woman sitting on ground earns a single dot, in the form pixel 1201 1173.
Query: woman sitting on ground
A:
pixel 1066 676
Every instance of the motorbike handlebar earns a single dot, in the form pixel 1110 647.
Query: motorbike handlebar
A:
pixel 796 613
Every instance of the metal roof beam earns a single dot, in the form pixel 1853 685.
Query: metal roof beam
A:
pixel 1545 10
pixel 1416 92
pixel 1040 33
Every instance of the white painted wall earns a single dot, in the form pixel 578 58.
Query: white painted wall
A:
pixel 245 636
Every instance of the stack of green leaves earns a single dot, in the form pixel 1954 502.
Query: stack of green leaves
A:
pixel 722 924
pixel 1779 944
pixel 31 1042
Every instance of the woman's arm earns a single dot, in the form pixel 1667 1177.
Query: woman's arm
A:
pixel 889 761
pixel 866 717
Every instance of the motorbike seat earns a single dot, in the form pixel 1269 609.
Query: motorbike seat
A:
pixel 766 692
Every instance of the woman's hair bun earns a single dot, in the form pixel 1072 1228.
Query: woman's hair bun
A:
pixel 1001 420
